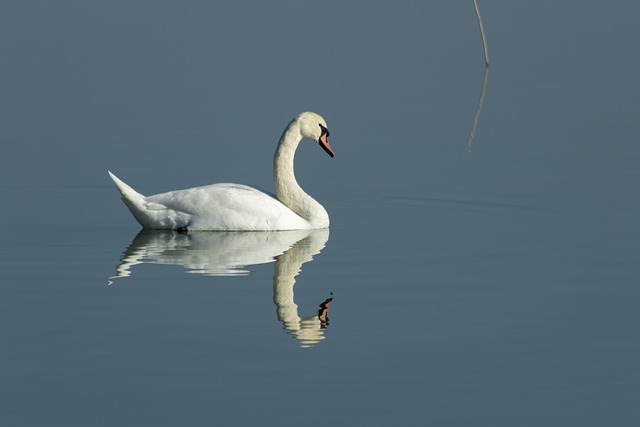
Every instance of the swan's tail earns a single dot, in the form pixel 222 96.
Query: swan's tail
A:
pixel 147 213
pixel 129 195
pixel 135 201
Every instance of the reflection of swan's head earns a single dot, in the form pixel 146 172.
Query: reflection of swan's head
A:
pixel 314 127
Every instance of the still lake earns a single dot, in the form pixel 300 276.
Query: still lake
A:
pixel 483 253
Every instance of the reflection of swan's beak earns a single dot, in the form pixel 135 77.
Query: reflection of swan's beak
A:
pixel 324 143
pixel 323 313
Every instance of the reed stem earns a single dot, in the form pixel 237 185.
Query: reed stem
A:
pixel 484 40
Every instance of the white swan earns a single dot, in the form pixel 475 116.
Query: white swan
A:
pixel 240 207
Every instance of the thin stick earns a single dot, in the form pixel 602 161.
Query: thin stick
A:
pixel 484 40
pixel 476 116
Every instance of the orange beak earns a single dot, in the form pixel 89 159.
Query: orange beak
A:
pixel 324 143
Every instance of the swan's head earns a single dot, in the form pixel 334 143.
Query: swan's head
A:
pixel 314 127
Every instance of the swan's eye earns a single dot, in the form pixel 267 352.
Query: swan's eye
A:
pixel 324 131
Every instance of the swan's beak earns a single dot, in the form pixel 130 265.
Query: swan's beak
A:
pixel 324 143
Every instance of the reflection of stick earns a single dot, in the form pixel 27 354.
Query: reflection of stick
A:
pixel 484 40
pixel 472 134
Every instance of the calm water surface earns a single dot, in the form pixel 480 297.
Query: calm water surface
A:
pixel 489 281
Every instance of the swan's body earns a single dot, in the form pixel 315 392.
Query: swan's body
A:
pixel 240 207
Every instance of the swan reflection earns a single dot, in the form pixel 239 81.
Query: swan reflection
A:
pixel 229 254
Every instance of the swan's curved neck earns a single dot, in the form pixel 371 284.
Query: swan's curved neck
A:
pixel 288 191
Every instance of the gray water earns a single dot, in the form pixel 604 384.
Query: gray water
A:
pixel 481 274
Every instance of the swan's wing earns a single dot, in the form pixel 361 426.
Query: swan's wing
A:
pixel 227 207
pixel 195 200
pixel 155 206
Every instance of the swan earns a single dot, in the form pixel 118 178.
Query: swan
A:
pixel 237 207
